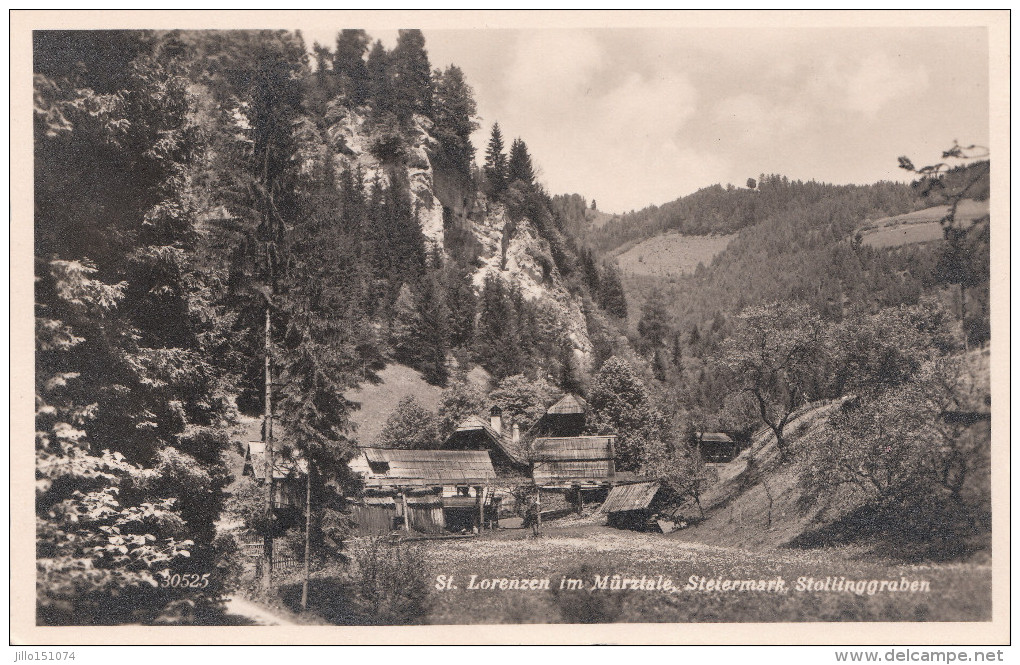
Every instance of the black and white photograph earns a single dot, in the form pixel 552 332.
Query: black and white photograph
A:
pixel 481 322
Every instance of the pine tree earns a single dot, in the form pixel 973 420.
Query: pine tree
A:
pixel 611 295
pixel 654 325
pixel 519 168
pixel 497 344
pixel 403 242
pixel 380 80
pixel 405 327
pixel 433 333
pixel 349 65
pixel 495 163
pixel 412 76
pixel 461 299
pixel 455 109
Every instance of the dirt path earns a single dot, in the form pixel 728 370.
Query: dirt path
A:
pixel 256 614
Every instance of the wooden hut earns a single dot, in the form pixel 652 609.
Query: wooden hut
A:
pixel 429 488
pixel 717 447
pixel 634 505
pixel 573 461
pixel 375 515
pixel 564 418
pixel 288 472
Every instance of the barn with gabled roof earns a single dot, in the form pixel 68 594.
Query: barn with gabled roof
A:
pixel 429 490
pixel 573 461
pixel 564 418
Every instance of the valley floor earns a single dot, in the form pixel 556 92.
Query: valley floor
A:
pixel 955 592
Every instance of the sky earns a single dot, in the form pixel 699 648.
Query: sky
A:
pixel 635 117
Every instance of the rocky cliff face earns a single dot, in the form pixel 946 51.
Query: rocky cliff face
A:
pixel 514 252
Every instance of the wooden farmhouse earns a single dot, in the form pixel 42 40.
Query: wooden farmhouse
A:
pixel 635 505
pixel 430 491
pixel 289 474
pixel 717 447
pixel 561 457
pixel 505 450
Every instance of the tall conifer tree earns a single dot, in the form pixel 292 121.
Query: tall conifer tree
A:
pixel 495 162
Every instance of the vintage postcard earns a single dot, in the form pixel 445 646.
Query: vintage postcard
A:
pixel 562 327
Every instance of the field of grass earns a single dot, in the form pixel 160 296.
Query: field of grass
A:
pixel 671 254
pixel 957 592
pixel 917 226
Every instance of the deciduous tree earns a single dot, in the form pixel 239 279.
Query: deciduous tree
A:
pixel 774 356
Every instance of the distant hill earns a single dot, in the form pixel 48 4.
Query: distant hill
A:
pixel 598 219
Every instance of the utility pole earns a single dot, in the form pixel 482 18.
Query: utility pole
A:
pixel 267 548
pixel 308 531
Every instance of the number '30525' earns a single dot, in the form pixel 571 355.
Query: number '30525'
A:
pixel 183 581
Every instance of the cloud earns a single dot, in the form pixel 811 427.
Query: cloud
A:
pixel 879 80
pixel 551 65
pixel 591 123
pixel 864 85
pixel 759 119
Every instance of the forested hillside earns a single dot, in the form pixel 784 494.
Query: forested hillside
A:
pixel 205 198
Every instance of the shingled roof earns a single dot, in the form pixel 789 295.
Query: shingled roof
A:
pixel 573 460
pixel 391 467
pixel 636 496
pixel 569 404
pixel 504 442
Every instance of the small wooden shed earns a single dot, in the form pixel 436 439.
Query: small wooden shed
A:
pixel 375 515
pixel 288 472
pixel 717 447
pixel 632 506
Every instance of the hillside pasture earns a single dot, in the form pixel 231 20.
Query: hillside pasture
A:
pixel 396 382
pixel 671 254
pixel 918 226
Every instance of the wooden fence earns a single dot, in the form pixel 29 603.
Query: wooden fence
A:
pixel 255 549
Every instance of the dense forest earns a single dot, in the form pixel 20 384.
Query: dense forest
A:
pixel 215 208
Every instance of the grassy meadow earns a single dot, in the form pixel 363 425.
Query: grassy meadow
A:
pixel 671 254
pixel 958 592
pixel 917 226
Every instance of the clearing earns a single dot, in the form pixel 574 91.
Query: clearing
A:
pixel 671 254
pixel 396 382
pixel 917 226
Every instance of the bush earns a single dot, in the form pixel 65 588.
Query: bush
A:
pixel 386 585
